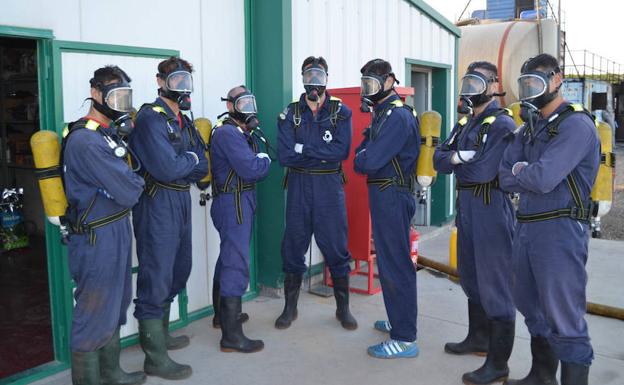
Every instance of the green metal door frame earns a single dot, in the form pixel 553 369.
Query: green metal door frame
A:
pixel 442 192
pixel 268 40
pixel 53 245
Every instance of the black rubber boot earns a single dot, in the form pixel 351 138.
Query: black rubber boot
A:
pixel 157 361
pixel 110 371
pixel 85 368
pixel 292 286
pixel 341 293
pixel 495 369
pixel 574 374
pixel 233 339
pixel 173 343
pixel 477 340
pixel 544 367
pixel 216 295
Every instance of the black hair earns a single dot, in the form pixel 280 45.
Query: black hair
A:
pixel 234 92
pixel 167 66
pixel 108 74
pixel 378 67
pixel 544 61
pixel 484 65
pixel 314 60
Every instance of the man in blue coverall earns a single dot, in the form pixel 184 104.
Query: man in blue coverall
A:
pixel 171 154
pixel 237 165
pixel 314 138
pixel 552 162
pixel 387 156
pixel 485 222
pixel 101 189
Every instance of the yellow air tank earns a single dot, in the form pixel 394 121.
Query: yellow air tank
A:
pixel 430 128
pixel 515 109
pixel 602 192
pixel 204 127
pixel 47 153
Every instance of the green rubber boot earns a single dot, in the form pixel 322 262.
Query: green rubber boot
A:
pixel 85 368
pixel 157 361
pixel 173 343
pixel 110 371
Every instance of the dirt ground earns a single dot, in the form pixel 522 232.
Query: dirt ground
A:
pixel 613 222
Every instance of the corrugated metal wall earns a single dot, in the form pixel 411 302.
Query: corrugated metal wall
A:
pixel 348 33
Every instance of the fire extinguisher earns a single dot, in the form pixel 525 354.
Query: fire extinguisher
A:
pixel 414 237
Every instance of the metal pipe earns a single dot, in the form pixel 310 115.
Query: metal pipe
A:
pixel 540 43
pixel 592 308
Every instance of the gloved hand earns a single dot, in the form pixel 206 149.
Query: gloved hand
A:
pixel 263 155
pixel 465 156
pixel 194 156
pixel 517 167
pixel 298 148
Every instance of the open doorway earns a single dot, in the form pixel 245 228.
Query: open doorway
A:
pixel 25 318
pixel 421 81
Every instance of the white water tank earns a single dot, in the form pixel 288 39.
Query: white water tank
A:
pixel 506 45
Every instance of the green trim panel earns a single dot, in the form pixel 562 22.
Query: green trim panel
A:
pixel 425 63
pixel 34 374
pixel 269 75
pixel 112 49
pixel 25 33
pixel 436 16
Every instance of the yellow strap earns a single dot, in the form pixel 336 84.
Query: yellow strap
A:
pixel 509 111
pixel 92 125
pixel 489 120
pixel 335 99
pixel 463 121
pixel 577 107
pixel 397 103
pixel 65 131
pixel 159 109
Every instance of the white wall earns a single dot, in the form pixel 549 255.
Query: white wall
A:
pixel 203 31
pixel 348 33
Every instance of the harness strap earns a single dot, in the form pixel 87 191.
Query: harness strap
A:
pixel 479 189
pixel 152 186
pixel 384 183
pixel 84 228
pixel 307 171
pixel 582 214
pixel 579 211
pixel 48 172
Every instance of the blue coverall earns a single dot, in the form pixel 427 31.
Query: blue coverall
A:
pixel 549 256
pixel 316 202
pixel 162 222
pixel 485 216
pixel 393 135
pixel 233 152
pixel 100 260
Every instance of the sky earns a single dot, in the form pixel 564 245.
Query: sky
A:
pixel 591 27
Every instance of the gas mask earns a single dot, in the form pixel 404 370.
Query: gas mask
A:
pixel 533 88
pixel 117 105
pixel 244 109
pixel 372 89
pixel 178 87
pixel 533 94
pixel 473 92
pixel 314 81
